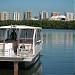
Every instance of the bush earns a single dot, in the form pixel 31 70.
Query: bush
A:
pixel 47 24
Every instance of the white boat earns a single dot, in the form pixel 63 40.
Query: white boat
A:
pixel 24 47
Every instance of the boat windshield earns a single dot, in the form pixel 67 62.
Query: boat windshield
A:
pixel 26 34
pixel 38 36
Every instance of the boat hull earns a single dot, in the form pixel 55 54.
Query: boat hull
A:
pixel 21 64
pixel 27 65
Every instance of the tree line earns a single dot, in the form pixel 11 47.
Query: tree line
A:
pixel 46 24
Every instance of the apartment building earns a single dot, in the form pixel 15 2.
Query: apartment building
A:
pixel 43 15
pixel 16 16
pixel 27 15
pixel 4 16
pixel 69 15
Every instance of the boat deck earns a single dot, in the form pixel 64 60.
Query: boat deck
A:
pixel 11 58
pixel 23 56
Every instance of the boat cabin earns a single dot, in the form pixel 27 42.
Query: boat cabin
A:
pixel 20 41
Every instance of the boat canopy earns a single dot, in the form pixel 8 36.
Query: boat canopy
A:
pixel 19 27
pixel 20 40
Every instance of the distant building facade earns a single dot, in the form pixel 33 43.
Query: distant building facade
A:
pixel 69 16
pixel 16 16
pixel 43 15
pixel 55 14
pixel 27 15
pixel 4 16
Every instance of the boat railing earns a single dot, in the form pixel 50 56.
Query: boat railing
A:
pixel 25 51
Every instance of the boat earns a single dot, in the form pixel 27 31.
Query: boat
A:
pixel 20 43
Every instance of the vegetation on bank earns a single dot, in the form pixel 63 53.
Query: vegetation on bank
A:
pixel 46 24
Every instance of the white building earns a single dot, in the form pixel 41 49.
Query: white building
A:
pixel 69 16
pixel 55 14
pixel 43 15
pixel 61 17
pixel 16 16
pixel 4 16
pixel 34 19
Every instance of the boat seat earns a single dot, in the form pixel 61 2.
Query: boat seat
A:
pixel 14 45
pixel 1 46
pixel 9 49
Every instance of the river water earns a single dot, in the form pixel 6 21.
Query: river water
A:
pixel 57 56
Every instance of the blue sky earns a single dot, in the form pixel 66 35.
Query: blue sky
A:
pixel 37 5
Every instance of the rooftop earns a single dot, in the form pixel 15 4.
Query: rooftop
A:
pixel 19 27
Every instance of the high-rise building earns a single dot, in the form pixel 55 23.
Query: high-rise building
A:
pixel 27 15
pixel 69 16
pixel 4 16
pixel 55 14
pixel 16 16
pixel 43 15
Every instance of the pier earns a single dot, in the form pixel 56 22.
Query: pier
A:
pixel 15 67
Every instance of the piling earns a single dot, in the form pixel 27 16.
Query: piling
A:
pixel 15 67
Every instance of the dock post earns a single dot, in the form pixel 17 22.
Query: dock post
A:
pixel 15 67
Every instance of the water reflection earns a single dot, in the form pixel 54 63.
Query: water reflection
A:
pixel 35 70
pixel 58 52
pixel 59 38
pixel 62 38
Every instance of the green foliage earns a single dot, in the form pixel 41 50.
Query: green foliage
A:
pixel 47 24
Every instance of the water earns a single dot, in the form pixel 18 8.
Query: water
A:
pixel 57 56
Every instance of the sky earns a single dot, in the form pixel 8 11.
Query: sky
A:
pixel 35 6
